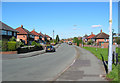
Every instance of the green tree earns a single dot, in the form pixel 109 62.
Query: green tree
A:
pixel 57 39
pixel 75 39
pixel 117 40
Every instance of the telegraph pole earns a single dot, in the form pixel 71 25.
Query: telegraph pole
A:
pixel 110 40
pixel 53 36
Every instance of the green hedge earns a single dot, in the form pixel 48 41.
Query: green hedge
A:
pixel 11 45
pixel 4 44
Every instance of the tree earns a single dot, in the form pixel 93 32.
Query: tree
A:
pixel 57 39
pixel 75 39
pixel 117 40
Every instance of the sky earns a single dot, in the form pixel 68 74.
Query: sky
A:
pixel 67 19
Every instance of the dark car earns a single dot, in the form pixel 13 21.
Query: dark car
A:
pixel 50 49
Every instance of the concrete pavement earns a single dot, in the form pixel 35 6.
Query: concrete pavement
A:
pixel 86 68
pixel 38 68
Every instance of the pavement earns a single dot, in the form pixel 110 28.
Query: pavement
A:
pixel 86 68
pixel 43 67
pixel 25 55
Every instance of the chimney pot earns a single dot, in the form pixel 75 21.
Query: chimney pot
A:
pixel 21 26
pixel 101 30
pixel 91 33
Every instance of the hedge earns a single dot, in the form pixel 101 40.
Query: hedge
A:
pixel 11 45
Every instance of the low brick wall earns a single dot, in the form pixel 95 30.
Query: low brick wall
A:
pixel 9 52
pixel 92 46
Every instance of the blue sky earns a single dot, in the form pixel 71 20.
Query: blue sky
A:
pixel 68 19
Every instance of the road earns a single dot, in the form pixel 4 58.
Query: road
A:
pixel 43 67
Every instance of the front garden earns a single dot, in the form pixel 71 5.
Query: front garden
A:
pixel 13 45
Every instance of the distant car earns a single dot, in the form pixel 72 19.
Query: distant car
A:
pixel 70 43
pixel 50 49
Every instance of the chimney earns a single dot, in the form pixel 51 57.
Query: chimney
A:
pixel 101 30
pixel 21 26
pixel 33 29
pixel 91 33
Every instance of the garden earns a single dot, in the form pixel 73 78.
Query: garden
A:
pixel 13 45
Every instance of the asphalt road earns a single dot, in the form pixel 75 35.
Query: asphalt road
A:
pixel 43 67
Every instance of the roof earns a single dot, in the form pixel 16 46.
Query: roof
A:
pixel 23 30
pixel 47 36
pixel 101 35
pixel 34 32
pixel 91 36
pixel 41 34
pixel 6 27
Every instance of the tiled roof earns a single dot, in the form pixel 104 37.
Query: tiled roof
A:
pixel 41 34
pixel 48 36
pixel 23 30
pixel 91 36
pixel 34 32
pixel 6 27
pixel 101 35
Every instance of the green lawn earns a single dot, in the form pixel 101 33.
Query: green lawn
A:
pixel 104 51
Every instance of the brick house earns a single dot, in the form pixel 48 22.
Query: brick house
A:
pixel 41 36
pixel 36 35
pixel 7 32
pixel 85 38
pixel 90 37
pixel 102 39
pixel 48 37
pixel 25 35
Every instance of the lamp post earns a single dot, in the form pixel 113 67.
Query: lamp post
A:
pixel 110 40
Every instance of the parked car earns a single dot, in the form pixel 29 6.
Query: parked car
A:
pixel 50 49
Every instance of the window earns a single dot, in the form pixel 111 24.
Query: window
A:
pixel 31 36
pixel 14 33
pixel 4 32
pixel 10 33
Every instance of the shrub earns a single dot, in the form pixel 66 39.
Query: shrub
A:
pixel 34 43
pixel 13 39
pixel 11 45
pixel 90 42
pixel 19 44
pixel 4 44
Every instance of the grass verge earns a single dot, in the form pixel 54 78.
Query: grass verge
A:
pixel 104 51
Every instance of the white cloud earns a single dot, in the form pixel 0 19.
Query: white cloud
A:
pixel 76 28
pixel 96 26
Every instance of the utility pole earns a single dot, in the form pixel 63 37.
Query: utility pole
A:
pixel 110 40
pixel 53 36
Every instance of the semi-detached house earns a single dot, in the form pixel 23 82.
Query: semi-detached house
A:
pixel 25 35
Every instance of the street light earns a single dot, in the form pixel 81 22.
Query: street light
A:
pixel 110 40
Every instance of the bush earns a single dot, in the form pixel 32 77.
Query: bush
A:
pixel 4 44
pixel 13 39
pixel 11 45
pixel 90 42
pixel 19 44
pixel 34 43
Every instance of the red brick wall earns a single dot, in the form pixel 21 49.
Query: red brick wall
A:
pixel 36 37
pixel 23 37
pixel 104 45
